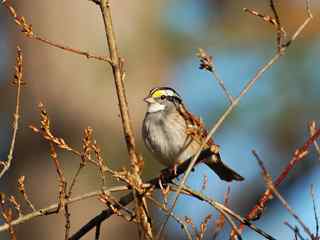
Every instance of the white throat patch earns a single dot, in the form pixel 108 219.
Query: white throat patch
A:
pixel 155 107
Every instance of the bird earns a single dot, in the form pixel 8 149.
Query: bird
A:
pixel 173 134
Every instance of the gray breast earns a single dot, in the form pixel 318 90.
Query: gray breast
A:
pixel 165 136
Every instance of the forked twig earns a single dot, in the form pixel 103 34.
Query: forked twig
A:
pixel 27 30
pixel 274 191
pixel 50 209
pixel 278 26
pixel 235 103
pixel 178 220
pixel 166 177
pixel 225 211
pixel 296 231
pixel 298 155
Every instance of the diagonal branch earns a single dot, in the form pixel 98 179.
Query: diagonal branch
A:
pixel 272 189
pixel 206 62
pixel 225 211
pixel 298 155
pixel 165 178
pixel 235 103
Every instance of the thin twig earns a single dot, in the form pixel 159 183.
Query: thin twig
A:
pixel 165 177
pixel 7 217
pixel 312 129
pixel 178 220
pixel 302 26
pixel 315 211
pixel 278 25
pixel 203 227
pixel 51 208
pixel 206 62
pixel 233 225
pixel 247 87
pixel 224 210
pixel 219 223
pixel 67 222
pixel 16 205
pixel 117 73
pixel 219 123
pixel 62 189
pixel 272 188
pixel 27 30
pixel 97 234
pixel 216 126
pixel 295 230
pixel 18 82
pixel 298 155
pixel 61 179
pixel 22 190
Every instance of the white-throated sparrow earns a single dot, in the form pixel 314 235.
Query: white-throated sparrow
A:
pixel 173 134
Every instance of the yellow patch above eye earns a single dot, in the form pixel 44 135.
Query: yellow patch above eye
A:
pixel 158 93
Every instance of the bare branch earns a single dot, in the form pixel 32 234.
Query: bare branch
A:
pixel 178 220
pixel 312 129
pixel 302 26
pixel 27 30
pixel 7 215
pixel 16 205
pixel 245 90
pixel 51 208
pixel 273 190
pixel 278 25
pixel 118 74
pixel 165 177
pixel 224 210
pixel 221 120
pixel 295 229
pixel 220 222
pixel 22 190
pixel 298 155
pixel 206 62
pixel 315 211
pixel 18 82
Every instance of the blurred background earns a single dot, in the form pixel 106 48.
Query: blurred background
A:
pixel 159 41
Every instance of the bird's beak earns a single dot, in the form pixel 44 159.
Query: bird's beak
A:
pixel 149 100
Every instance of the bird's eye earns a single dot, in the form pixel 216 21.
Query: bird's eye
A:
pixel 163 97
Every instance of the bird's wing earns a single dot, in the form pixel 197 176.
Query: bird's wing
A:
pixel 195 125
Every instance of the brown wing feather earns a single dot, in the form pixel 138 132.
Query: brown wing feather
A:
pixel 199 133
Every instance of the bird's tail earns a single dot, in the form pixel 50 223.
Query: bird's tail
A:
pixel 223 171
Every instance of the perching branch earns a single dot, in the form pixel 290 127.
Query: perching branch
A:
pixel 235 103
pixel 166 176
